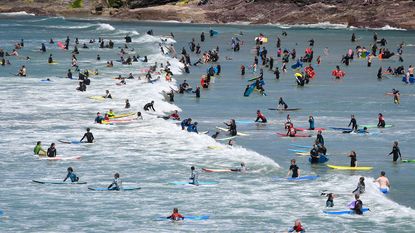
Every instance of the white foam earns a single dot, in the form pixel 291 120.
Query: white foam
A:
pixel 18 13
pixel 105 27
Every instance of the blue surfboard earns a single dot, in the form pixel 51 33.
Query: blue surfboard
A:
pixel 322 159
pixel 188 217
pixel 344 211
pixel 199 183
pixel 124 188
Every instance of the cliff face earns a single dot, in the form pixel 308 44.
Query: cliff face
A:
pixel 359 13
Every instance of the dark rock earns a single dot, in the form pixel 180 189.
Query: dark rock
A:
pixel 132 4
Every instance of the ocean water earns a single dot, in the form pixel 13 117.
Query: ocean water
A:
pixel 153 152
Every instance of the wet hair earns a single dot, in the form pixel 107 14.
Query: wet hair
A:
pixel 382 173
pixel 292 160
pixel 175 210
pixel 88 129
pixel 117 175
pixel 192 168
pixel 38 142
pixel 70 169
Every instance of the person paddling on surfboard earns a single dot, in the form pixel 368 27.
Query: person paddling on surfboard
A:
pixel 88 135
pixel 38 150
pixel 175 216
pixel 396 152
pixel 297 227
pixel 291 132
pixel 240 169
pixel 356 205
pixel 107 95
pixel 99 118
pixel 294 169
pixel 194 176
pixel 116 183
pixel 71 175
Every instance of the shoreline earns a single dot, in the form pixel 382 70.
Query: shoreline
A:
pixel 355 16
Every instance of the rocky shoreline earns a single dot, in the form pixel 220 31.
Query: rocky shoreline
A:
pixel 394 13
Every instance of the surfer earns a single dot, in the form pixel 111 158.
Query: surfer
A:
pixel 297 227
pixel 127 104
pixel 396 96
pixel 192 128
pixel 149 106
pixel 185 123
pixel 51 151
pixel 294 169
pixel 231 127
pixel 111 113
pixel 116 183
pixel 381 121
pixel 314 154
pixel 38 150
pixel 50 59
pixel 353 158
pixel 395 151
pixel 291 132
pixel 356 205
pixel 353 123
pixel 175 216
pixel 360 186
pixel 240 169
pixel 22 72
pixel 107 95
pixel 88 135
pixel 260 116
pixel 99 118
pixel 215 135
pixel 71 175
pixel 174 116
pixel 282 104
pixel 383 182
pixel 311 123
pixel 330 199
pixel 194 175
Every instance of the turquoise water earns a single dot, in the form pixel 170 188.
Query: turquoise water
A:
pixel 151 153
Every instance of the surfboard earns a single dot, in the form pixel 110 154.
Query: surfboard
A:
pixel 58 158
pixel 349 168
pixel 408 160
pixel 341 129
pixel 285 110
pixel 343 211
pixel 374 126
pixel 226 130
pixel 296 136
pixel 305 129
pixel 57 182
pixel 216 170
pixel 123 115
pixel 225 139
pixel 124 188
pixel 186 217
pixel 296 150
pixel 97 97
pixel 321 159
pixel 300 146
pixel 303 178
pixel 66 141
pixel 200 183
pixel 302 153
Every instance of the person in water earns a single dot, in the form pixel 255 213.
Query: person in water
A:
pixel 353 158
pixel 88 135
pixel 320 138
pixel 51 151
pixel 127 104
pixel 353 123
pixel 240 169
pixel 330 199
pixel 396 152
pixel 185 123
pixel 361 187
pixel 149 106
pixel 291 131
pixel 192 128
pixel 111 113
pixel 116 183
pixel 294 170
pixel 175 216
pixel 231 127
pixel 297 227
pixel 356 205
pixel 260 116
pixel 22 72
pixel 383 182
pixel 314 154
pixel 107 95
pixel 99 118
pixel 71 175
pixel 282 104
pixel 396 96
pixel 38 150
pixel 139 116
pixel 194 176
pixel 381 121
pixel 311 122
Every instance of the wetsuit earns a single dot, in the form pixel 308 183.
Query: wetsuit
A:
pixel 262 117
pixel 396 153
pixel 282 103
pixel 185 123
pixel 358 205
pixel 149 106
pixel 232 129
pixel 294 168
pixel 116 184
pixel 353 123
pixel 89 137
pixel 72 176
pixel 38 149
pixel 353 160
pixel 192 128
pixel 291 132
pixel 320 139
pixel 108 96
pixel 314 155
pixel 311 127
pixel 329 202
pixel 360 188
pixel 51 152
pixel 99 119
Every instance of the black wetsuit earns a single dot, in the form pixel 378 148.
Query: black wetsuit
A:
pixel 353 123
pixel 51 152
pixel 294 168
pixel 149 106
pixel 396 153
pixel 353 160
pixel 232 129
pixel 89 137
pixel 314 155
pixel 320 139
